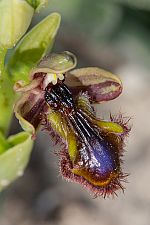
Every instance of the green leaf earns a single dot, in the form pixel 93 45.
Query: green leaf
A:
pixel 15 18
pixel 33 47
pixel 14 160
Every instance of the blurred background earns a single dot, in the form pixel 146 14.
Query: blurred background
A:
pixel 113 35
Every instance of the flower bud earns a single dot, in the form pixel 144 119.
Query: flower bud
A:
pixel 15 18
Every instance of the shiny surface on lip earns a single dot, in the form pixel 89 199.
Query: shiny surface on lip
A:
pixel 97 164
pixel 97 160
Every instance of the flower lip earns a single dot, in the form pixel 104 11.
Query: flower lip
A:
pixel 99 155
pixel 97 159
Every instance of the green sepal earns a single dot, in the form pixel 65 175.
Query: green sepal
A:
pixel 37 43
pixel 14 160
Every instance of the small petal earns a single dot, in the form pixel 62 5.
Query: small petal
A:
pixel 30 106
pixel 100 84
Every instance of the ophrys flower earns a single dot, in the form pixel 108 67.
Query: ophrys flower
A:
pixel 61 102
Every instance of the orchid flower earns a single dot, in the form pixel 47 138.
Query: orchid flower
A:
pixel 60 99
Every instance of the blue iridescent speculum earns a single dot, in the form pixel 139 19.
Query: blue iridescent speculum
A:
pixel 92 148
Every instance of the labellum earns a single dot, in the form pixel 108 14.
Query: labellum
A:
pixel 61 102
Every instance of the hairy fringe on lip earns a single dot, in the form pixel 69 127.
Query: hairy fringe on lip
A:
pixel 66 165
pixel 96 191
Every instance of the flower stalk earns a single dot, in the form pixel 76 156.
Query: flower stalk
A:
pixel 3 52
pixel 7 95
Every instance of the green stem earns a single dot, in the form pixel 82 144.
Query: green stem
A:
pixel 3 52
pixel 7 95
